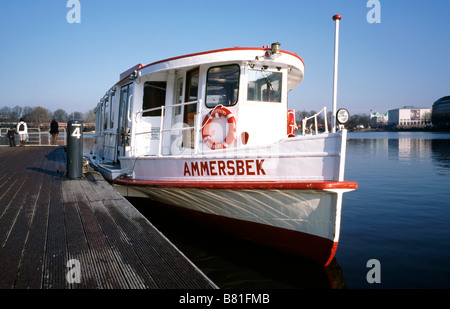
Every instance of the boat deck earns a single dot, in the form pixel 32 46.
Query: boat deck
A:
pixel 46 220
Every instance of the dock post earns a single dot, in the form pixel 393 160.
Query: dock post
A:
pixel 74 148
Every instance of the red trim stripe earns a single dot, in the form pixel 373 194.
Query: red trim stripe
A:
pixel 244 185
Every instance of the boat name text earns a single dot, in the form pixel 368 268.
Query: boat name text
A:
pixel 224 168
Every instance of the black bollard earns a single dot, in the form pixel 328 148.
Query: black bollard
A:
pixel 74 149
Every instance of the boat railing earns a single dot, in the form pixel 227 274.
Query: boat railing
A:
pixel 316 126
pixel 163 108
pixel 103 135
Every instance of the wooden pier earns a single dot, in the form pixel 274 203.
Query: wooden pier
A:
pixel 73 234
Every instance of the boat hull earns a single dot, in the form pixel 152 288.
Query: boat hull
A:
pixel 286 195
pixel 302 222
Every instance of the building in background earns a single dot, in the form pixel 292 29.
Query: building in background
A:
pixel 410 116
pixel 441 113
pixel 378 120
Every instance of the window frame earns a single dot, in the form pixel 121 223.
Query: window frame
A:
pixel 178 97
pixel 106 114
pixel 238 83
pixel 111 110
pixel 158 85
pixel 265 71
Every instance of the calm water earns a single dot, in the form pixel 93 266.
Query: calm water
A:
pixel 400 215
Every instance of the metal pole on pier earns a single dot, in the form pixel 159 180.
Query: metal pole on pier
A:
pixel 336 18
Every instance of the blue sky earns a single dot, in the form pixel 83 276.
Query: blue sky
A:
pixel 404 60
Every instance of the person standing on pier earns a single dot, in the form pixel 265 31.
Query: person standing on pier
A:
pixel 11 136
pixel 54 130
pixel 22 129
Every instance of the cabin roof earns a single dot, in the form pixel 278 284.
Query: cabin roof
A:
pixel 236 48
pixel 223 55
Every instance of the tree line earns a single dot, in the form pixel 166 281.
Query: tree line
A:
pixel 39 115
pixel 43 115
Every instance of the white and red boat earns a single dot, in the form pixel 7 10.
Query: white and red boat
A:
pixel 211 135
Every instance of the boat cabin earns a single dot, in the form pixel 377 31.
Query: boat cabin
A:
pixel 195 104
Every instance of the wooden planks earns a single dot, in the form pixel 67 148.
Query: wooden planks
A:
pixel 47 220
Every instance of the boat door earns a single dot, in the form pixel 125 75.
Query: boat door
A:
pixel 123 137
pixel 191 95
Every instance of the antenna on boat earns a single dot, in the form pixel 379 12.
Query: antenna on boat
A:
pixel 336 18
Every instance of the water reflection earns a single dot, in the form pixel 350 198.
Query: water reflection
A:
pixel 405 149
pixel 433 147
pixel 88 144
pixel 440 149
pixel 237 264
pixel 400 208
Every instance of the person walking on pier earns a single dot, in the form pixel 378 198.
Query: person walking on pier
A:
pixel 22 129
pixel 54 130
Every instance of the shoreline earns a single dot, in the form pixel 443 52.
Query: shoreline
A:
pixel 437 130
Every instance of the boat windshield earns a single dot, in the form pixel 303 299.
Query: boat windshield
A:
pixel 264 86
pixel 222 85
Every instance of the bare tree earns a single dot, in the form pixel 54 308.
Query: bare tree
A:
pixel 5 113
pixel 60 115
pixel 300 115
pixel 75 115
pixel 39 115
pixel 89 116
pixel 26 112
pixel 16 112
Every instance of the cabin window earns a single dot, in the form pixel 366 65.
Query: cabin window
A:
pixel 264 86
pixel 222 85
pixel 106 114
pixel 112 111
pixel 100 118
pixel 154 96
pixel 189 111
pixel 179 95
pixel 126 94
pixel 191 95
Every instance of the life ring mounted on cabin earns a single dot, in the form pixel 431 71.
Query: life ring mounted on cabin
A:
pixel 218 112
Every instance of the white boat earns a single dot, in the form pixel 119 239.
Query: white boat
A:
pixel 210 134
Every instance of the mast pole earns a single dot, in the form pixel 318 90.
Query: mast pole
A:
pixel 336 18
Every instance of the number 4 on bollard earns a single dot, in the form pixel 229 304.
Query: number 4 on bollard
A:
pixel 74 149
pixel 76 133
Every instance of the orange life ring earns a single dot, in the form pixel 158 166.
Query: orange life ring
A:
pixel 218 112
pixel 291 125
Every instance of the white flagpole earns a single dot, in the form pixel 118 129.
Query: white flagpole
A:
pixel 336 18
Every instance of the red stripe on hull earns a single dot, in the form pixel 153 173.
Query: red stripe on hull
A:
pixel 242 185
pixel 311 247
